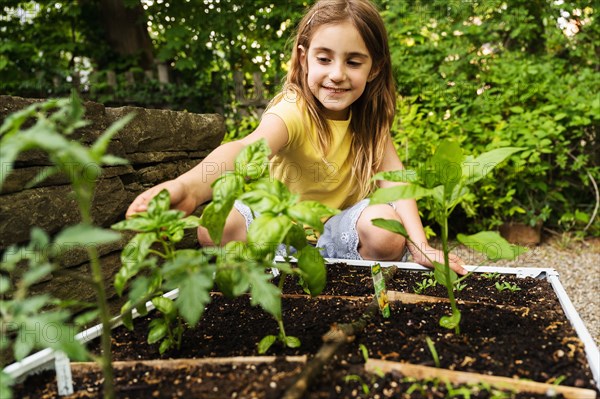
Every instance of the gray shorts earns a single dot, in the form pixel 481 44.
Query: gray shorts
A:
pixel 339 239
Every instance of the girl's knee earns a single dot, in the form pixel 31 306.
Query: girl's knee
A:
pixel 375 242
pixel 365 226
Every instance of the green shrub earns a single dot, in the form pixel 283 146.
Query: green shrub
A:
pixel 489 76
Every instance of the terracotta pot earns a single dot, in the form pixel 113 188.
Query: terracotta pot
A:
pixel 521 233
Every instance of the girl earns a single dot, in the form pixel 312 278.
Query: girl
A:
pixel 329 133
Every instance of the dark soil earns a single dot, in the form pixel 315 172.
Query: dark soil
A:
pixel 343 279
pixel 527 336
pixel 342 379
pixel 232 327
pixel 263 380
pixel 528 345
pixel 260 381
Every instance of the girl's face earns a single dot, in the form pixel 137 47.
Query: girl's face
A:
pixel 339 67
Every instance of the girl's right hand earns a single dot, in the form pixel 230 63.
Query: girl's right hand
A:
pixel 180 198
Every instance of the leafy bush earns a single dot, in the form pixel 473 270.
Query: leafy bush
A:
pixel 489 75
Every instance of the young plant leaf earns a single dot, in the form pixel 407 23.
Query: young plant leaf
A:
pixel 194 295
pixel 35 274
pixel 101 144
pixel 277 196
pixel 4 284
pixel 159 204
pixel 231 281
pixel 400 176
pixel 391 194
pixel 265 344
pixel 165 345
pixel 112 160
pixel 24 344
pixel 164 304
pixel 310 213
pixel 364 351
pixel 190 222
pixel 492 244
pixel 264 293
pixel 127 317
pixel 158 330
pixel 446 165
pixel 451 322
pixel 476 169
pixel 133 259
pixel 440 275
pixel 296 237
pixel 266 232
pixel 314 273
pixel 292 342
pixel 14 121
pixel 253 161
pixel 392 225
pixel 139 222
pixel 227 187
pixel 83 235
pixel 42 175
pixel 261 201
pixel 214 217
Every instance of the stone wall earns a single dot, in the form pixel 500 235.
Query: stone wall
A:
pixel 159 144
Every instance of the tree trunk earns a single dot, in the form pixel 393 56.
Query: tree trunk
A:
pixel 125 30
pixel 537 41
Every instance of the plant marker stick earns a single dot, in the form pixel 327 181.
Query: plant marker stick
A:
pixel 380 291
pixel 64 379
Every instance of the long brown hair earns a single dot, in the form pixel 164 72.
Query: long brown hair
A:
pixel 373 112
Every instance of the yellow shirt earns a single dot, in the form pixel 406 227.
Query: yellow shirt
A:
pixel 301 166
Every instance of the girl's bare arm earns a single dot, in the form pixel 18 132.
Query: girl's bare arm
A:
pixel 193 188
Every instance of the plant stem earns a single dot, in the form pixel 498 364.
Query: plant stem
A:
pixel 179 332
pixel 282 281
pixel 281 331
pixel 84 203
pixel 449 285
pixel 106 359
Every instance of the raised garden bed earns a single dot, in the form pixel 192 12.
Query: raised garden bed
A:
pixel 513 336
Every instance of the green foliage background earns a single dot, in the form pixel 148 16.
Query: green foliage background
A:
pixel 486 74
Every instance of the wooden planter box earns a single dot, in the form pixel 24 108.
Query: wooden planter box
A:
pixel 332 344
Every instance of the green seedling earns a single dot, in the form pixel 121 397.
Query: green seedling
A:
pixel 457 392
pixel 364 351
pixel 419 386
pixel 559 380
pixel 445 181
pixel 434 354
pixel 427 282
pixel 452 392
pixel 53 122
pixel 357 378
pixel 491 275
pixel 505 285
pixel 458 286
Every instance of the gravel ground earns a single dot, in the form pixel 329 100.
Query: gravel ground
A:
pixel 578 266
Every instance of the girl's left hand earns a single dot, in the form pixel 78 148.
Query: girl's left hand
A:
pixel 456 263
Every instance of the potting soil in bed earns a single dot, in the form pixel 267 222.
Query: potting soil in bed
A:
pixel 521 334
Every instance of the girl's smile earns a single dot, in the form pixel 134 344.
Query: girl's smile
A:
pixel 339 67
